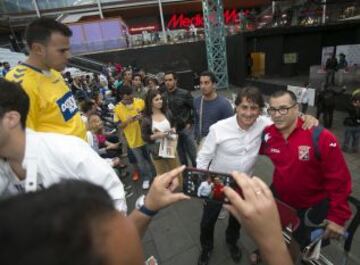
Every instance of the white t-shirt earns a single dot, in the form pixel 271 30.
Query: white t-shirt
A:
pixel 161 126
pixel 50 158
pixel 304 96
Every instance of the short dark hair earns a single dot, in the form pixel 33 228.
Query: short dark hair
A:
pixel 281 93
pixel 135 75
pixel 210 74
pixel 40 30
pixel 86 105
pixel 54 226
pixel 171 73
pixel 13 98
pixel 250 93
pixel 126 90
pixel 148 102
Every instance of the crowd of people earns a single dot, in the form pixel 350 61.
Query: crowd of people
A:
pixel 126 115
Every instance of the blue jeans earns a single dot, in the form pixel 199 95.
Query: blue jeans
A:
pixel 142 162
pixel 351 135
pixel 186 147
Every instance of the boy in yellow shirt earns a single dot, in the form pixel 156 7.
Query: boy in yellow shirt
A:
pixel 128 113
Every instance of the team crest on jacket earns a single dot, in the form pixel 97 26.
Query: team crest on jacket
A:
pixel 304 152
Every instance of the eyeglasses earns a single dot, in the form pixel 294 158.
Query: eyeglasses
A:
pixel 281 110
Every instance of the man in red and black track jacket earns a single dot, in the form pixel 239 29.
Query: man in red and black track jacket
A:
pixel 310 175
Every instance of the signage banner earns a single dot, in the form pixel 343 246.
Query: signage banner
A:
pixel 183 21
pixel 297 90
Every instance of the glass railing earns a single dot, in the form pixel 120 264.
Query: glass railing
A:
pixel 24 6
pixel 54 4
pixel 16 6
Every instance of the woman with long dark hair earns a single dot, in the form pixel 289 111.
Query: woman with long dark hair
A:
pixel 157 126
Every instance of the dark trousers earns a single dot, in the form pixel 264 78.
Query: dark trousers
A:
pixel 328 115
pixel 186 147
pixel 330 77
pixel 304 107
pixel 210 214
pixel 352 134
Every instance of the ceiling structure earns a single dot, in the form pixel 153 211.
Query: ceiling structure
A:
pixel 110 8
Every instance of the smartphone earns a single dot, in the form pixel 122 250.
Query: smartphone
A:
pixel 196 180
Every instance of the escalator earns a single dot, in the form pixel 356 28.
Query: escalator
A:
pixel 86 64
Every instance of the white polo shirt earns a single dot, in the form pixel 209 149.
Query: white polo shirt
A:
pixel 228 147
pixel 50 158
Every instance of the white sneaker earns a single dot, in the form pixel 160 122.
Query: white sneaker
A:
pixel 222 214
pixel 146 184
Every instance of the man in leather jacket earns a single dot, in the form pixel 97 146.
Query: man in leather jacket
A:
pixel 181 105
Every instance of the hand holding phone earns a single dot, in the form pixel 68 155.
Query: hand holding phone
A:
pixel 207 184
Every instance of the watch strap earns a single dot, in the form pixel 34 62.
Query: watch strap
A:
pixel 147 211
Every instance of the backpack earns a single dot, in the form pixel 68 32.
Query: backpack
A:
pixel 315 140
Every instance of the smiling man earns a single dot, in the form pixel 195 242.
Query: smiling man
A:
pixel 232 144
pixel 52 105
pixel 310 173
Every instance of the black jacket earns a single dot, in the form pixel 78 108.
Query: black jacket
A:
pixel 181 104
pixel 353 120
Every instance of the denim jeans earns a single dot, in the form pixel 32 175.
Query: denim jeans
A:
pixel 186 147
pixel 143 162
pixel 351 135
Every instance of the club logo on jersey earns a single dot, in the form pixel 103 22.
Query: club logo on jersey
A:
pixel 67 105
pixel 304 153
pixel 332 144
pixel 274 151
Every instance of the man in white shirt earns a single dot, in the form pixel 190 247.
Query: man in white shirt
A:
pixel 32 160
pixel 205 188
pixel 232 144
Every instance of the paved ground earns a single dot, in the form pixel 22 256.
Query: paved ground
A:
pixel 173 235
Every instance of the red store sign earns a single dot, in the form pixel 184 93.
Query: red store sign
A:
pixel 177 21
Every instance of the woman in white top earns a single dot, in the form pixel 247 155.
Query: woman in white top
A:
pixel 157 127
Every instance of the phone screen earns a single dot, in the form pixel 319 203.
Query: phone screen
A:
pixel 207 184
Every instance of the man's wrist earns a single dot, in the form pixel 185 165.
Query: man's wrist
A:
pixel 143 206
pixel 149 205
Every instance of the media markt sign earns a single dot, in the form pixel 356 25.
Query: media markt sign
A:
pixel 178 21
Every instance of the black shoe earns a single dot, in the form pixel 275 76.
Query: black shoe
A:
pixel 204 257
pixel 235 252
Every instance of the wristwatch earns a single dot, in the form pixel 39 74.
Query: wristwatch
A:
pixel 139 205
